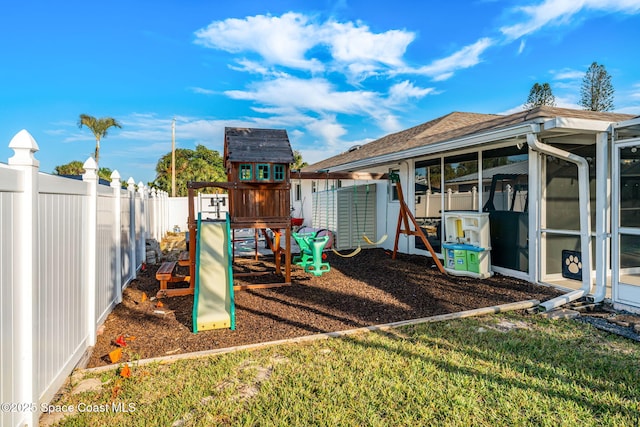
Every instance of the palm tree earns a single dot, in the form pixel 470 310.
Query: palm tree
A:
pixel 99 128
pixel 298 162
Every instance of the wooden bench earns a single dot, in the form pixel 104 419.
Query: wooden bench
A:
pixel 183 259
pixel 167 274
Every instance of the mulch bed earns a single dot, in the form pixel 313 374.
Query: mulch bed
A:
pixel 367 289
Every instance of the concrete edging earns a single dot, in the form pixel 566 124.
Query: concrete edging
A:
pixel 521 305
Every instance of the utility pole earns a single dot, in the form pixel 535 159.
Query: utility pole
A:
pixel 173 158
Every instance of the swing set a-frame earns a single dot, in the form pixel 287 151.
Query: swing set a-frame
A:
pixel 404 217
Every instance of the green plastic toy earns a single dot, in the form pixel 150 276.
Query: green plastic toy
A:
pixel 310 258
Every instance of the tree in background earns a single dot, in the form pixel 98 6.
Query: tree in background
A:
pixel 465 168
pixel 298 162
pixel 71 168
pixel 201 165
pixel 540 94
pixel 99 127
pixel 596 93
pixel 74 168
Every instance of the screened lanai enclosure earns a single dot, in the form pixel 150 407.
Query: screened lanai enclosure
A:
pixel 561 188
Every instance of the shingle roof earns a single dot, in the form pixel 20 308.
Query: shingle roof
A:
pixel 405 139
pixel 258 145
pixel 452 126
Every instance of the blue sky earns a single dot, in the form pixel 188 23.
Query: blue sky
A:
pixel 332 73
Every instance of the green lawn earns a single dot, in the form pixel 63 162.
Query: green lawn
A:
pixel 500 370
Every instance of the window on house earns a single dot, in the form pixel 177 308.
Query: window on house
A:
pixel 278 172
pixel 393 188
pixel 461 177
pixel 428 202
pixel 246 172
pixel 263 172
pixel 510 193
pixel 298 192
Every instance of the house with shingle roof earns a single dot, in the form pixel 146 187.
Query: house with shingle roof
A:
pixel 580 197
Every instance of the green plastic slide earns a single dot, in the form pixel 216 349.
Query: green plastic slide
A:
pixel 213 304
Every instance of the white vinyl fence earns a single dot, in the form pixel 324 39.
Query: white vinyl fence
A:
pixel 67 250
pixel 211 206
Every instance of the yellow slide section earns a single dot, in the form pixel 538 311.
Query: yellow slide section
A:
pixel 213 305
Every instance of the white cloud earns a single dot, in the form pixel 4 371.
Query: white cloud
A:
pixel 571 85
pixel 290 40
pixel 314 94
pixel 358 72
pixel 568 80
pixel 632 109
pixel 628 101
pixel 401 92
pixel 279 40
pixel 298 62
pixel 351 44
pixel 521 47
pixel 466 57
pixel 389 123
pixel 313 155
pixel 249 66
pixel 568 102
pixel 329 130
pixel 299 102
pixel 567 74
pixel 55 132
pixel 202 91
pixel 254 67
pixel 555 12
pixel 512 110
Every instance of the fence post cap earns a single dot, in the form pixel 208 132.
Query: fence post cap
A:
pixel 90 163
pixel 115 179
pixel 23 146
pixel 91 169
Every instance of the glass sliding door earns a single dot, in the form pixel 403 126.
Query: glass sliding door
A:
pixel 505 195
pixel 626 223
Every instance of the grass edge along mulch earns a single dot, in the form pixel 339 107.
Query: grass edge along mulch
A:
pixel 502 308
pixel 499 369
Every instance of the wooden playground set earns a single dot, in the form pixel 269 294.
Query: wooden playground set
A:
pixel 257 162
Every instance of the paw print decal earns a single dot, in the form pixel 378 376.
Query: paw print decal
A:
pixel 573 264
